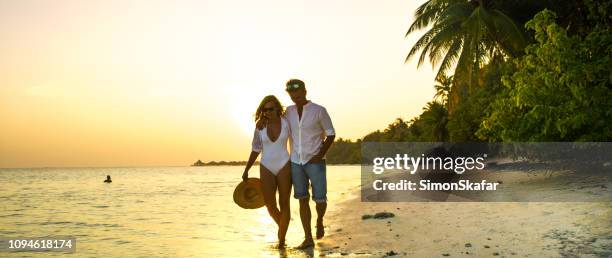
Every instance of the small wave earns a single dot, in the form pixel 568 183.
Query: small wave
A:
pixel 11 215
pixel 85 224
pixel 54 223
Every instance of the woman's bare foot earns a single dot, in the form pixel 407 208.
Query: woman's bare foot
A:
pixel 281 245
pixel 308 243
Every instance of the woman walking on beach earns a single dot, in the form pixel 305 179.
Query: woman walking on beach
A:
pixel 274 169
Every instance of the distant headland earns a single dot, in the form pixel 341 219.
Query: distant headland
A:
pixel 199 163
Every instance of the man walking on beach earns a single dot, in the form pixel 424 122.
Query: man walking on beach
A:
pixel 312 133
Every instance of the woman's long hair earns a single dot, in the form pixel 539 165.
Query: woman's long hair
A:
pixel 270 98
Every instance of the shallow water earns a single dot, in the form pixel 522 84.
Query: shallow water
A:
pixel 150 211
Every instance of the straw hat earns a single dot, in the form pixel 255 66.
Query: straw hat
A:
pixel 248 194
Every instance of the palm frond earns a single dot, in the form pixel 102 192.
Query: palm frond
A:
pixel 510 36
pixel 450 58
pixel 426 14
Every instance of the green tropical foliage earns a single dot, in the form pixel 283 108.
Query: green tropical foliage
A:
pixel 443 88
pixel 344 152
pixel 560 91
pixel 547 80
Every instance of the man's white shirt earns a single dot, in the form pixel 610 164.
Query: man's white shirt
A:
pixel 307 133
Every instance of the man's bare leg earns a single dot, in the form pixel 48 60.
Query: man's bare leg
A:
pixel 321 207
pixel 305 217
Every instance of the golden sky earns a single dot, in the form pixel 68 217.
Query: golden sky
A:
pixel 146 83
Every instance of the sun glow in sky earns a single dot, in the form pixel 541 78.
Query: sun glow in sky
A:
pixel 131 83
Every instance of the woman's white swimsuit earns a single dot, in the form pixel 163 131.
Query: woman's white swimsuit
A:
pixel 274 153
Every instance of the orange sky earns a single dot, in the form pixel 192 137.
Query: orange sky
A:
pixel 145 83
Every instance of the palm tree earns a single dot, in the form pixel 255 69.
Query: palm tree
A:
pixel 466 34
pixel 443 88
pixel 435 116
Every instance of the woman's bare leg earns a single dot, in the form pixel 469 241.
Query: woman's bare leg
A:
pixel 268 187
pixel 283 180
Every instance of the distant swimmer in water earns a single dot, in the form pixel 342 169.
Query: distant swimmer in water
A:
pixel 108 179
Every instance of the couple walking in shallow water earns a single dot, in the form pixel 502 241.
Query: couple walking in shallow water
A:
pixel 308 128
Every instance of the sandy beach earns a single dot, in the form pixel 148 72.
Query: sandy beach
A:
pixel 473 229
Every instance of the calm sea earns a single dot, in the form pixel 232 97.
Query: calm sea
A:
pixel 151 211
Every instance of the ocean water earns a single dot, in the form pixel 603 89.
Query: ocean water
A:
pixel 149 211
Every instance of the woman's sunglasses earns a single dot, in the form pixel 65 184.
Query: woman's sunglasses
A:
pixel 268 109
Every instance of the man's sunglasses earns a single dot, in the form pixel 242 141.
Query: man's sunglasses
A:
pixel 292 87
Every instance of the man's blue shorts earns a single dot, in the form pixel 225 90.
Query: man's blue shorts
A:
pixel 315 172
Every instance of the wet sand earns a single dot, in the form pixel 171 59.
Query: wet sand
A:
pixel 472 229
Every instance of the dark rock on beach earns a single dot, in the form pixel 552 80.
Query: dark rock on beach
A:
pixel 384 215
pixel 380 215
pixel 391 253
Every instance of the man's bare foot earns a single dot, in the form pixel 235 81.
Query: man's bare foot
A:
pixel 308 243
pixel 320 229
pixel 281 245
